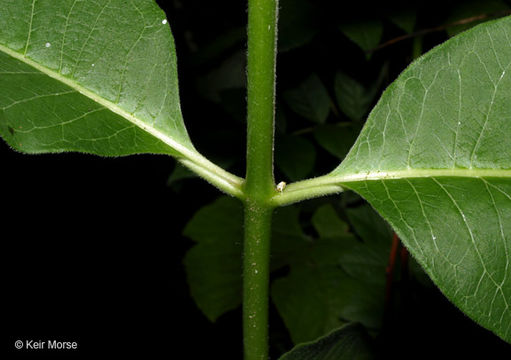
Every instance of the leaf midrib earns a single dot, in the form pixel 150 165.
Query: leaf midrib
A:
pixel 189 157
pixel 331 179
pixel 420 173
pixel 189 153
pixel 334 184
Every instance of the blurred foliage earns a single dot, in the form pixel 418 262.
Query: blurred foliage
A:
pixel 404 18
pixel 318 295
pixel 473 8
pixel 295 165
pixel 347 343
pixel 353 98
pixel 329 256
pixel 366 34
pixel 332 276
pixel 298 24
pixel 337 138
pixel 309 99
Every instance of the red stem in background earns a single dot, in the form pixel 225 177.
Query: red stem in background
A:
pixel 439 28
pixel 404 263
pixel 396 248
pixel 389 271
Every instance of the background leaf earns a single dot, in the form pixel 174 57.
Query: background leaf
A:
pixel 328 224
pixel 366 34
pixel 404 19
pixel 352 97
pixel 367 260
pixel 230 74
pixel 337 139
pixel 177 176
pixel 215 284
pixel 298 23
pixel 350 342
pixel 310 99
pixel 295 157
pixel 317 295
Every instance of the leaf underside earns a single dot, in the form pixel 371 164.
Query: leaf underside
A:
pixel 95 77
pixel 434 158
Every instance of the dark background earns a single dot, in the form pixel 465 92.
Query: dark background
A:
pixel 92 247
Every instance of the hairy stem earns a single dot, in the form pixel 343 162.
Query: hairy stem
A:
pixel 262 22
pixel 259 185
pixel 215 175
pixel 307 189
pixel 256 274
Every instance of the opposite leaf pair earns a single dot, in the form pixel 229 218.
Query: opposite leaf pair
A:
pixel 434 157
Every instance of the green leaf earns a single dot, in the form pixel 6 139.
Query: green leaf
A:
pixel 350 342
pixel 367 224
pixel 295 156
pixel 221 44
pixel 298 23
pixel 328 224
pixel 177 176
pixel 234 103
pixel 288 238
pixel 367 260
pixel 337 139
pixel 213 266
pixel 352 97
pixel 363 260
pixel 434 159
pixel 366 34
pixel 317 295
pixel 310 99
pixel 94 77
pixel 404 19
pixel 230 74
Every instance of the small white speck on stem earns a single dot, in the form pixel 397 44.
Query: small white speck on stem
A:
pixel 93 65
pixel 47 44
pixel 164 21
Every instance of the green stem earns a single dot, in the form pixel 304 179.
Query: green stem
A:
pixel 259 185
pixel 262 23
pixel 256 274
pixel 215 175
pixel 307 189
